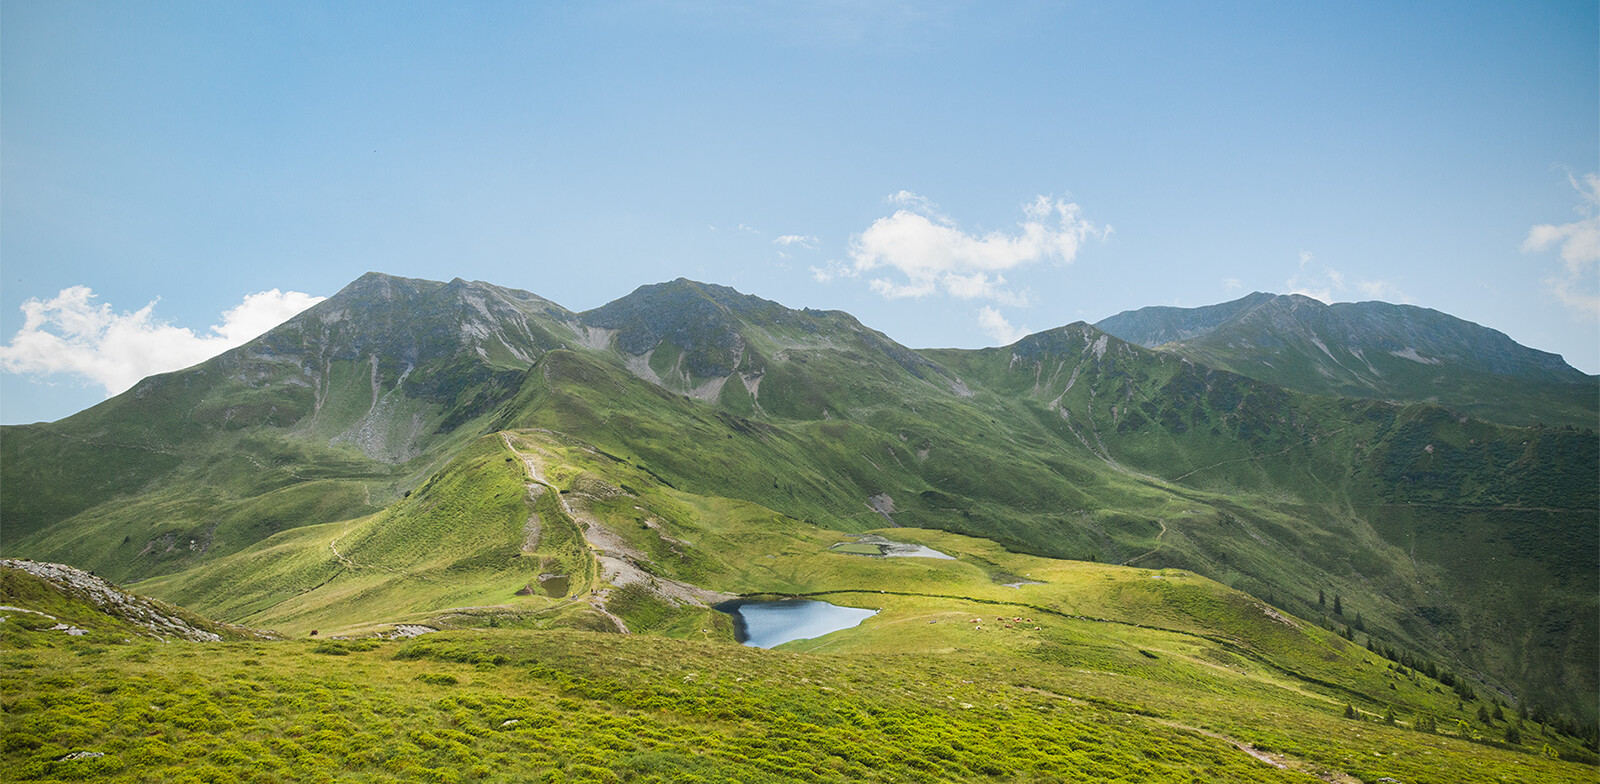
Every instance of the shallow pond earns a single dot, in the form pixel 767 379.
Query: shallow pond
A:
pixel 769 623
pixel 554 585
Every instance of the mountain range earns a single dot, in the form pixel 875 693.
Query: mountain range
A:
pixel 408 450
pixel 1371 350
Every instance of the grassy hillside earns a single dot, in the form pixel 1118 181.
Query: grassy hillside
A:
pixel 462 541
pixel 1293 495
pixel 407 449
pixel 1113 674
pixel 1121 455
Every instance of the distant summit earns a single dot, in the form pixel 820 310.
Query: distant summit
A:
pixel 1371 350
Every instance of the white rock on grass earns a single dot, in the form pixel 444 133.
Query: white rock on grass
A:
pixel 114 602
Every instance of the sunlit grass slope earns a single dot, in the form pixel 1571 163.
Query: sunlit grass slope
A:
pixel 1057 642
pixel 454 541
pixel 1124 704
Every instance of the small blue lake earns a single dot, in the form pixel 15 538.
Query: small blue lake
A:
pixel 770 623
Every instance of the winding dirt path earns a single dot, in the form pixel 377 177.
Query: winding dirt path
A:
pixel 350 563
pixel 1152 551
pixel 536 478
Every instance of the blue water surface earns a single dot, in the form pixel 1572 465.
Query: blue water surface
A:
pixel 770 623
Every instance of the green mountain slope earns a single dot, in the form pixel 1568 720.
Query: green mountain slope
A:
pixel 1411 509
pixel 1086 672
pixel 407 449
pixel 1371 350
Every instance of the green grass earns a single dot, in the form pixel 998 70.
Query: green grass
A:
pixel 857 549
pixel 1075 703
pixel 1114 672
pixel 1458 541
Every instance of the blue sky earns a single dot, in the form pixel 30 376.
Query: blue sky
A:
pixel 952 173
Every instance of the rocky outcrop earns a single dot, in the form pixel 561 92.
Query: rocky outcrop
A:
pixel 155 618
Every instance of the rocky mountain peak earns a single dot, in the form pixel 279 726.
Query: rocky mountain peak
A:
pixel 1363 349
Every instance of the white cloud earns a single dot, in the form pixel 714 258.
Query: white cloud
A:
pixel 72 335
pixel 931 254
pixel 806 241
pixel 1231 285
pixel 1381 290
pixel 1575 284
pixel 830 272
pixel 1319 281
pixel 1310 280
pixel 995 325
pixel 917 203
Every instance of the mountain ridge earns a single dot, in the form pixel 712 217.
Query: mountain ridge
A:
pixel 1374 350
pixel 334 435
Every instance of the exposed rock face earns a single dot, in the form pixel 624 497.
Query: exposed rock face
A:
pixel 159 621
pixel 883 505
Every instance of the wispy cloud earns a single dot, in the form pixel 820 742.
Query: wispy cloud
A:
pixel 995 325
pixel 830 272
pixel 1319 281
pixel 925 252
pixel 70 335
pixel 789 242
pixel 1575 284
pixel 1311 279
pixel 1381 290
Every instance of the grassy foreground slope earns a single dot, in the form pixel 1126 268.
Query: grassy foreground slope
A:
pixel 917 693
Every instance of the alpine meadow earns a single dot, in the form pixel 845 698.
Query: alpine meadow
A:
pixel 429 531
